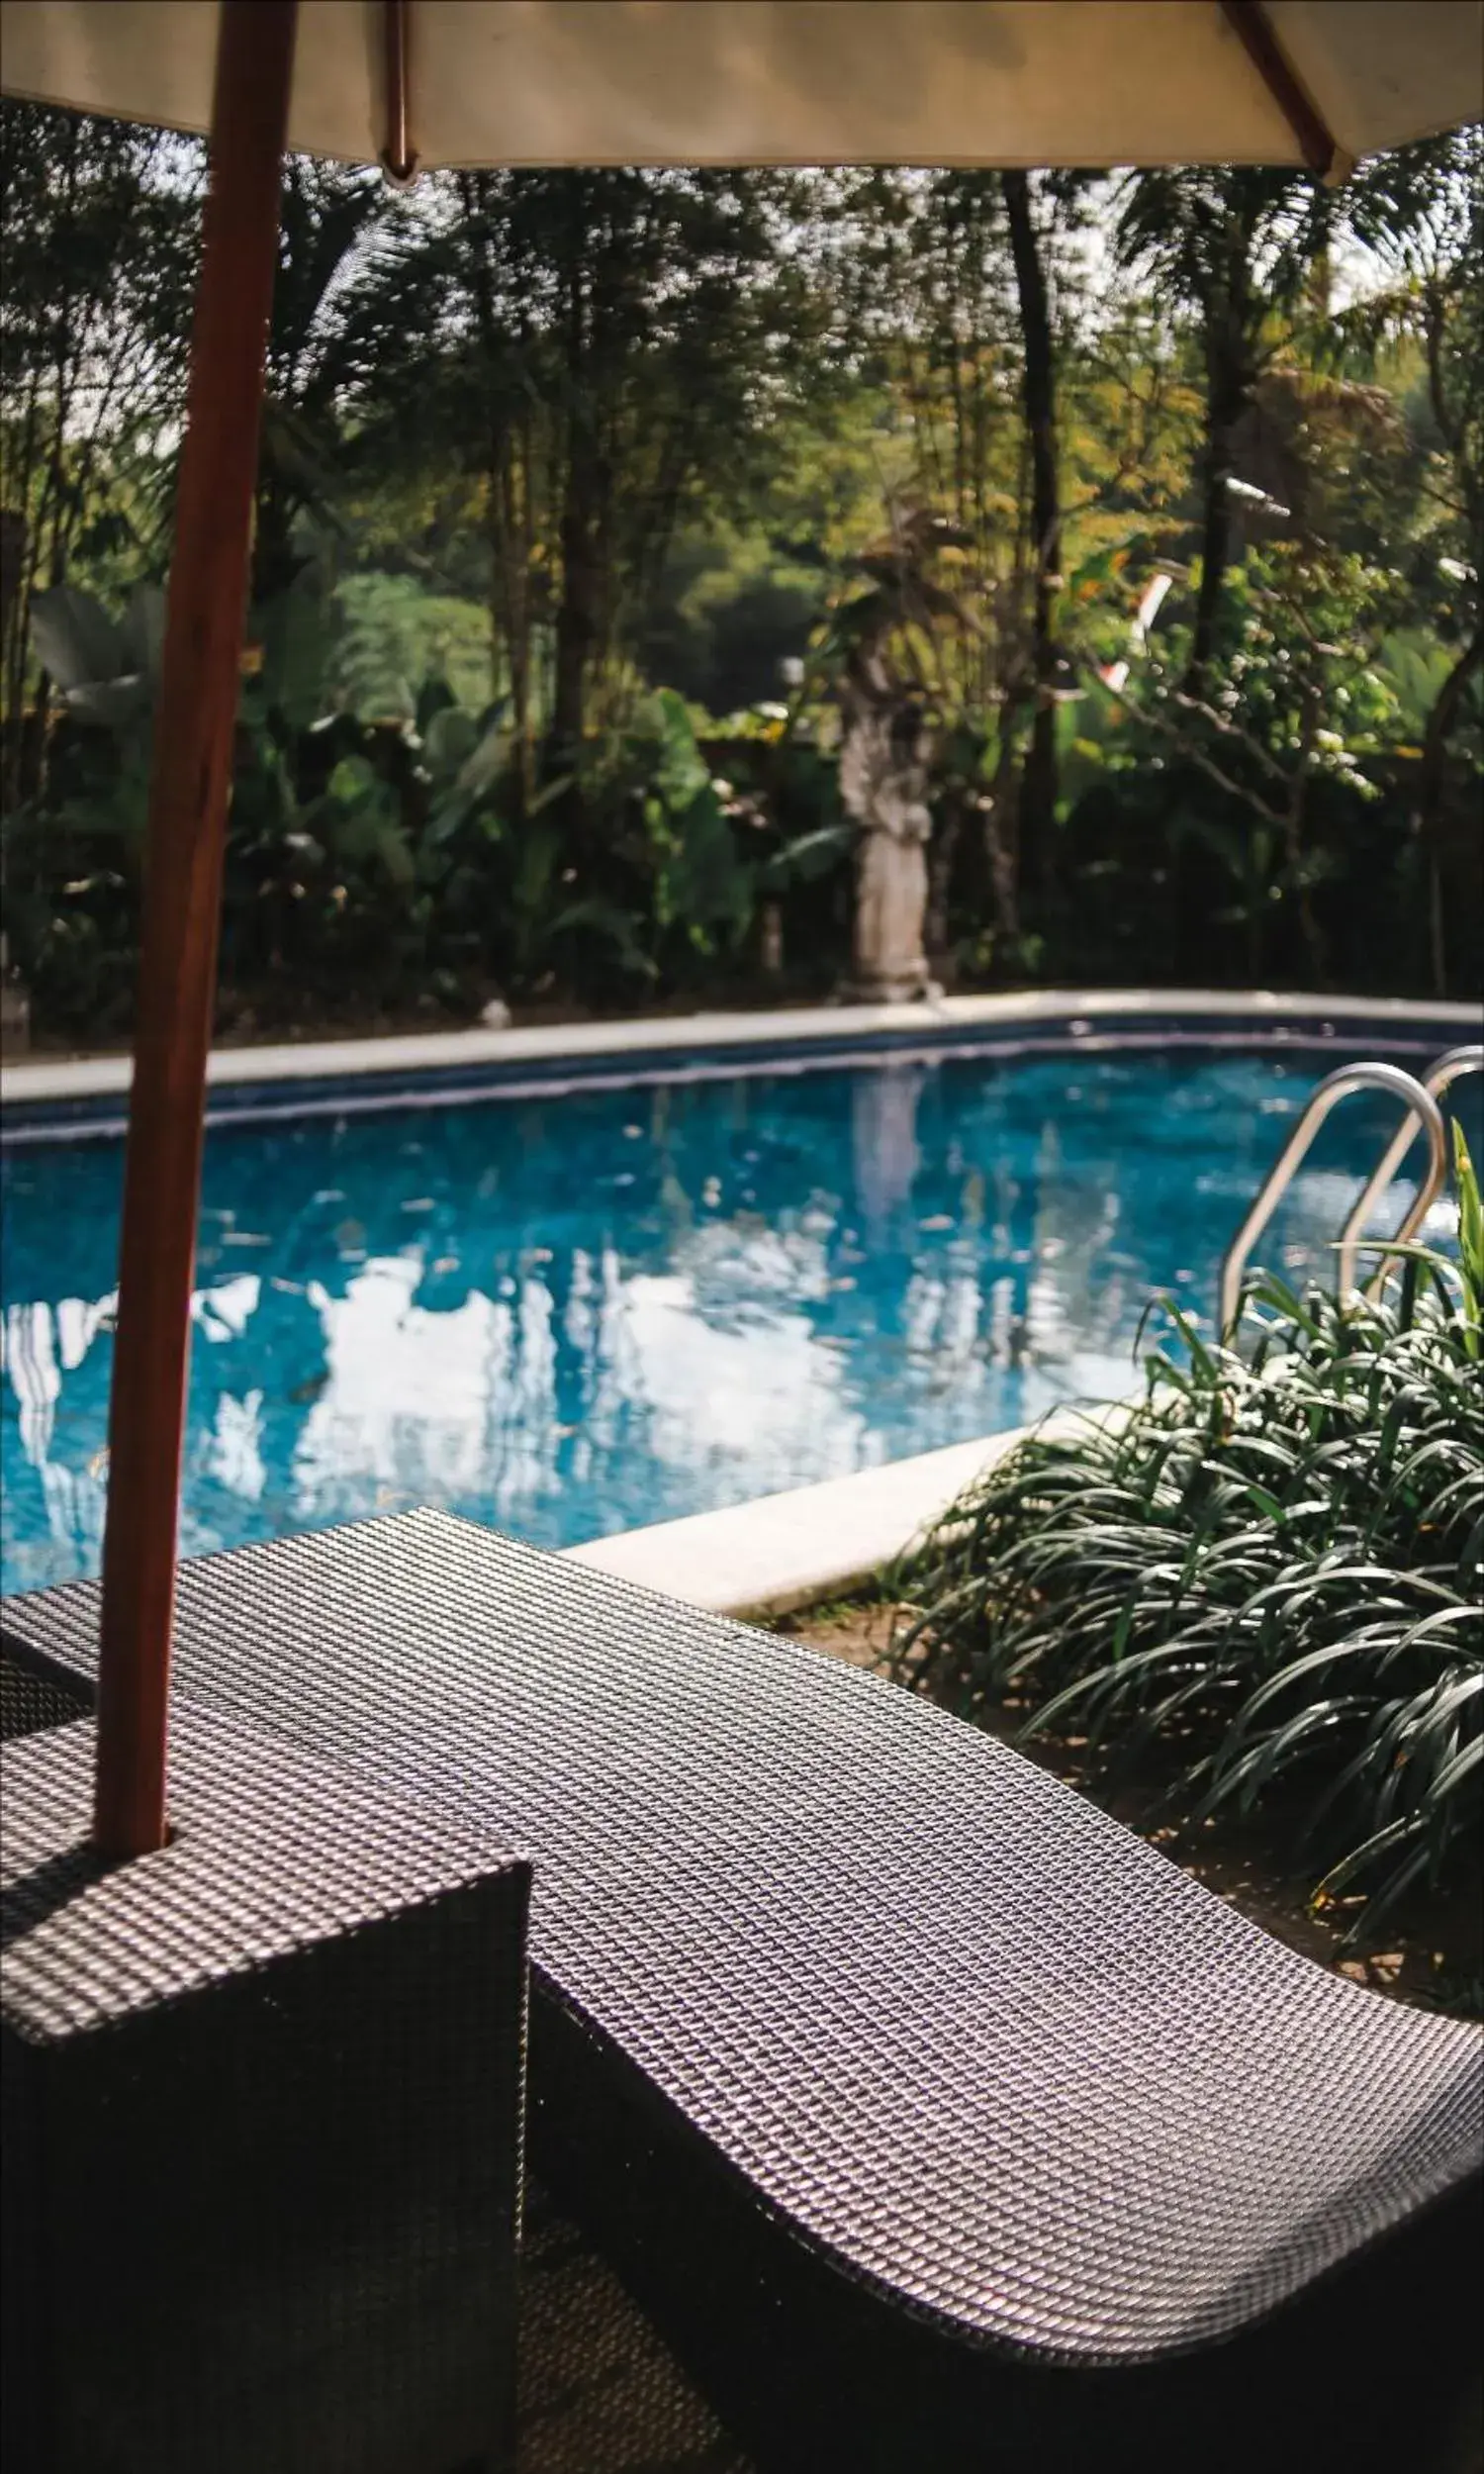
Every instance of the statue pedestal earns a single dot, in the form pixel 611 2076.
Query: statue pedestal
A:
pixel 896 989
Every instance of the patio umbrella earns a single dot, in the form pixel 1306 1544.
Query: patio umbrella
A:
pixel 801 81
pixel 1088 83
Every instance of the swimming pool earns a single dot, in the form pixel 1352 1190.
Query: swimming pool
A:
pixel 573 1314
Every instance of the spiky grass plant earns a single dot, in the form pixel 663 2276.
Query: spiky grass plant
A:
pixel 1270 1565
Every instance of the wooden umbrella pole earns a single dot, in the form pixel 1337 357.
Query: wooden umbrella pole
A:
pixel 189 789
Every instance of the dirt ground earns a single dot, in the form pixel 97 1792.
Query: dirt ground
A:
pixel 1433 1955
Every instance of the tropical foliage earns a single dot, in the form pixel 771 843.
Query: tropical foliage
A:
pixel 575 484
pixel 1269 1568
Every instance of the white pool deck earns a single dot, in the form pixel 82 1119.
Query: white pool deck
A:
pixel 785 1550
pixel 1093 1013
pixel 782 1552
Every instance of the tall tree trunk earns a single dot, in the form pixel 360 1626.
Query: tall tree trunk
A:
pixel 1229 388
pixel 578 616
pixel 1038 795
pixel 578 627
pixel 1002 828
pixel 510 560
pixel 15 577
pixel 509 557
pixel 1216 549
pixel 942 852
pixel 1315 945
pixel 1425 816
pixel 273 562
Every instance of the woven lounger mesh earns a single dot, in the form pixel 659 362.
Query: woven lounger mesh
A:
pixel 981 2049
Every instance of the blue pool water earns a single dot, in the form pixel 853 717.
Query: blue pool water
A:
pixel 573 1315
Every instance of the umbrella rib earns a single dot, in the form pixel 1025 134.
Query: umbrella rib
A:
pixel 1250 23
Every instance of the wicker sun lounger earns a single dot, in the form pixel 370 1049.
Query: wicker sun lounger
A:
pixel 262 2104
pixel 939 2123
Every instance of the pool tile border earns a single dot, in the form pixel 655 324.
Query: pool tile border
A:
pixel 42 1100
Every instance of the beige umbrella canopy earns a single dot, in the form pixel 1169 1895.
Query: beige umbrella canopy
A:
pixel 1011 82
pixel 799 82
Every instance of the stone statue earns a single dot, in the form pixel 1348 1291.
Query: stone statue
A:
pixel 885 753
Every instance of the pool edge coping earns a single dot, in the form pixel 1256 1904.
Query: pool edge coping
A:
pixel 36 1081
pixel 779 1553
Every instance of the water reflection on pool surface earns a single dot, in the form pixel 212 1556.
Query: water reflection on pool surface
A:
pixel 576 1314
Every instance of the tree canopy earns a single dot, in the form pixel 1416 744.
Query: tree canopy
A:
pixel 575 491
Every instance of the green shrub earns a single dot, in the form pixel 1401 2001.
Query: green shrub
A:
pixel 393 633
pixel 1270 1566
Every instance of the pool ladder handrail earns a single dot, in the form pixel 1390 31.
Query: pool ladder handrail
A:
pixel 1422 1110
pixel 1439 1077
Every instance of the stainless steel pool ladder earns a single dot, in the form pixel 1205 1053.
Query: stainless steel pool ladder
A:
pixel 1423 1112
